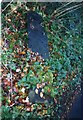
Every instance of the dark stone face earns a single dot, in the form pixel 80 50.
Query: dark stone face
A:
pixel 36 98
pixel 34 16
pixel 37 39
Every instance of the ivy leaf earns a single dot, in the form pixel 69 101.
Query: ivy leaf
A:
pixel 49 77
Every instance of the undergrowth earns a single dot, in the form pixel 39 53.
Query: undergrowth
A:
pixel 22 69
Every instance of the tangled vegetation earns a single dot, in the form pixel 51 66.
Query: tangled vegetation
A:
pixel 23 69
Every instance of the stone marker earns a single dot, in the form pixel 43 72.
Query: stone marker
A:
pixel 37 38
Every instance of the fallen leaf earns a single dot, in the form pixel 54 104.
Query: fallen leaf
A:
pixel 9 20
pixel 22 74
pixel 49 90
pixel 22 53
pixel 27 100
pixel 18 70
pixel 36 91
pixel 41 94
pixel 28 109
pixel 20 99
pixel 25 69
pixel 23 90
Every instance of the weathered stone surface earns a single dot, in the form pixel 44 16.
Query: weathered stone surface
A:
pixel 37 38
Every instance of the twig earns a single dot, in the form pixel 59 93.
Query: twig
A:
pixel 11 83
pixel 7 6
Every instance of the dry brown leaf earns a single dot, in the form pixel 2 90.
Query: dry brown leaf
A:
pixel 28 109
pixel 22 74
pixel 25 69
pixel 9 20
pixel 22 53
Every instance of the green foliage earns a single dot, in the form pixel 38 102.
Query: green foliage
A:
pixel 61 72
